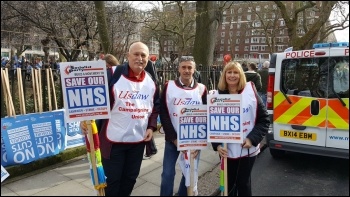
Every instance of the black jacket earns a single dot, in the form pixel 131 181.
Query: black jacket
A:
pixel 262 122
pixel 255 78
pixel 169 130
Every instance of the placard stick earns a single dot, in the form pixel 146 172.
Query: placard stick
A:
pixel 48 81
pixel 4 91
pixel 225 172
pixel 53 89
pixel 34 90
pixel 190 188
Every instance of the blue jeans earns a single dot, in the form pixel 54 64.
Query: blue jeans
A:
pixel 168 175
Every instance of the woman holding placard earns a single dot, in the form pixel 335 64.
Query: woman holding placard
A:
pixel 241 157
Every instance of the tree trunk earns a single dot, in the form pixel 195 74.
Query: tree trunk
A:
pixel 206 29
pixel 102 25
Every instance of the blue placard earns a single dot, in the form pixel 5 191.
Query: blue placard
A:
pixel 19 140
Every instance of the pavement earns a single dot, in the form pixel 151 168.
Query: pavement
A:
pixel 72 177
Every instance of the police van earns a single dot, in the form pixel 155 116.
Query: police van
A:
pixel 308 101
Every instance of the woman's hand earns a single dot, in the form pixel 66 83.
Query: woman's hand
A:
pixel 222 151
pixel 247 143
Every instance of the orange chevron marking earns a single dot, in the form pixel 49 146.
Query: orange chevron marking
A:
pixel 284 106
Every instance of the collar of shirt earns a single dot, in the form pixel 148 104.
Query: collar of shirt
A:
pixel 184 86
pixel 134 78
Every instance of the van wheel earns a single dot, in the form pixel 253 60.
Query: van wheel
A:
pixel 277 153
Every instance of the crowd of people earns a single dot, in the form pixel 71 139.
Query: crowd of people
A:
pixel 123 139
pixel 28 66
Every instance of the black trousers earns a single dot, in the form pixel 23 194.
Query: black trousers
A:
pixel 240 186
pixel 123 168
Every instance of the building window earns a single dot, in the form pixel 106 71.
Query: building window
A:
pixel 232 11
pixel 312 13
pixel 274 7
pixel 224 12
pixel 280 48
pixel 273 15
pixel 236 48
pixel 281 31
pixel 231 26
pixel 229 48
pixel 247 33
pixel 237 41
pixel 239 19
pixel 238 25
pixel 250 9
pixel 222 41
pixel 240 10
pixel 246 48
pixel 229 41
pixel 257 8
pixel 263 40
pixel 36 48
pixel 249 17
pixel 223 27
pixel 262 48
pixel 246 40
pixel 282 23
pixel 266 6
pixel 224 19
pixel 221 48
pixel 236 56
pixel 246 56
pixel 165 49
pixel 222 34
pixel 165 42
pixel 231 34
pixel 238 33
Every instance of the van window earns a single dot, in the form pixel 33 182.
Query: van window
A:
pixel 310 77
pixel 341 79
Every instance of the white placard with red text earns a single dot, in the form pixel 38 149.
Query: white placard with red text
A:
pixel 192 127
pixel 85 90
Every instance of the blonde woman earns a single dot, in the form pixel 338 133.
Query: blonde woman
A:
pixel 241 157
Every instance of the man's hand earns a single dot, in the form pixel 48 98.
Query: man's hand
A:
pixel 84 128
pixel 149 134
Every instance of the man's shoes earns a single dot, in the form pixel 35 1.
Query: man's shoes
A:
pixel 145 157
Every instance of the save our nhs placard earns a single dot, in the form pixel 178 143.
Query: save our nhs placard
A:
pixel 224 118
pixel 85 90
pixel 192 127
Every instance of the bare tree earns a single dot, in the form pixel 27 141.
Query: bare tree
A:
pixel 71 25
pixel 296 21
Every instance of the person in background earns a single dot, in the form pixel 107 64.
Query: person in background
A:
pixel 253 76
pixel 264 74
pixel 28 71
pixel 111 63
pixel 197 74
pixel 134 100
pixel 241 157
pixel 244 66
pixel 174 91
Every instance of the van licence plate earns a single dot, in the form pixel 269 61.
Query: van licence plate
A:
pixel 298 135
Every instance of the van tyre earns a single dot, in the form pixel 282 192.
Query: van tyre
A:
pixel 277 154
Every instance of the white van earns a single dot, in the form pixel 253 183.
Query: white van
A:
pixel 308 101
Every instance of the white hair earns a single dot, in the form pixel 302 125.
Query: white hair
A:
pixel 266 64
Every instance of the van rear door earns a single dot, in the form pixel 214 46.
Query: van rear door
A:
pixel 338 100
pixel 300 104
